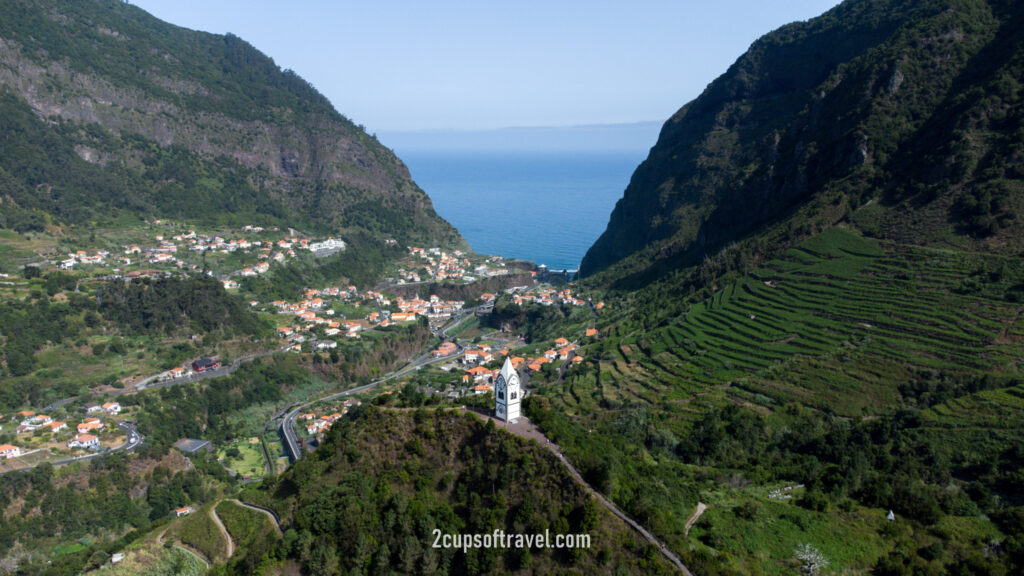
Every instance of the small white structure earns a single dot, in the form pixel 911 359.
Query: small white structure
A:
pixel 8 451
pixel 508 394
pixel 112 408
pixel 890 516
pixel 117 558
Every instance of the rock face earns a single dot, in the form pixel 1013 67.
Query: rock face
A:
pixel 125 89
pixel 911 107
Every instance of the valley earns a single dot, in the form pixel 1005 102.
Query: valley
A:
pixel 236 337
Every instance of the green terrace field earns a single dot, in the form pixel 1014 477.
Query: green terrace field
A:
pixel 836 322
pixel 884 376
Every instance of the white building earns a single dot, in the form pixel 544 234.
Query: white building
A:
pixel 508 394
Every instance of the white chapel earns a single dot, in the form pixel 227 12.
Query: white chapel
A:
pixel 508 394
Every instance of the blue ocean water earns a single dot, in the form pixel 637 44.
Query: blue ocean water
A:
pixel 545 207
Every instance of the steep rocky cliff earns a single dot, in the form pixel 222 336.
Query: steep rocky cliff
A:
pixel 903 118
pixel 182 124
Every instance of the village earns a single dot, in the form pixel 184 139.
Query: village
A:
pixel 42 437
pixel 246 252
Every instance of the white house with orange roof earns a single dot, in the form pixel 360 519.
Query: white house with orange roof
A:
pixel 84 441
pixel 57 426
pixel 112 408
pixel 88 426
pixel 8 451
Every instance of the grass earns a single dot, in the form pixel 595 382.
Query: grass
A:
pixel 153 560
pixel 250 462
pixel 248 528
pixel 198 531
pixel 836 325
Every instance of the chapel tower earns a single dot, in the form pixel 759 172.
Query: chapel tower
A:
pixel 508 394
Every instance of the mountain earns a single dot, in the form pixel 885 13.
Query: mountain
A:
pixel 901 118
pixel 374 497
pixel 106 110
pixel 812 319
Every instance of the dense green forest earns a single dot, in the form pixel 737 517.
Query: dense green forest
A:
pixel 370 498
pixel 113 317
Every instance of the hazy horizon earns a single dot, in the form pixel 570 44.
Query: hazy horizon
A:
pixel 405 66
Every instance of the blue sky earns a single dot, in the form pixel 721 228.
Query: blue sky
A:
pixel 402 65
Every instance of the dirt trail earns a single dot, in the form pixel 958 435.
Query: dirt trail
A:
pixel 527 429
pixel 701 507
pixel 223 530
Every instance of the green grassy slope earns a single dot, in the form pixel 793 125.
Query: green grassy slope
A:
pixel 880 375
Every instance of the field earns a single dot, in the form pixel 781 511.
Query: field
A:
pixel 244 457
pixel 835 334
pixel 197 531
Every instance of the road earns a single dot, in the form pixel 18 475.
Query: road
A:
pixel 291 441
pixel 144 384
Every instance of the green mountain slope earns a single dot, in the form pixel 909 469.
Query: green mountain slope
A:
pixel 812 314
pixel 107 110
pixel 374 496
pixel 911 107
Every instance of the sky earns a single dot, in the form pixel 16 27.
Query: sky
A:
pixel 403 65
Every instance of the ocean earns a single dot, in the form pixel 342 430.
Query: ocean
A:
pixel 546 207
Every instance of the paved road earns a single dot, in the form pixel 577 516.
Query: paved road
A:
pixel 291 441
pixel 144 384
pixel 267 511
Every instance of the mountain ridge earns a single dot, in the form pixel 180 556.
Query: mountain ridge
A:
pixel 820 118
pixel 126 90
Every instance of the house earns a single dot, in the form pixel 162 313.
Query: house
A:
pixel 84 441
pixel 577 360
pixel 446 349
pixel 204 364
pixel 591 332
pixel 112 408
pixel 92 407
pixel 482 388
pixel 175 373
pixel 117 558
pixel 89 427
pixel 57 426
pixel 8 451
pixel 183 511
pixel 561 343
pixel 26 413
pixel 478 373
pixel 230 284
pixel 550 354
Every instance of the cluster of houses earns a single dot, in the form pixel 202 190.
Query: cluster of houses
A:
pixel 317 424
pixel 438 265
pixel 166 249
pixel 547 296
pixel 482 377
pixel 81 257
pixel 434 309
pixel 85 437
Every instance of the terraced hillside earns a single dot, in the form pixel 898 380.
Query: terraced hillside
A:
pixel 823 367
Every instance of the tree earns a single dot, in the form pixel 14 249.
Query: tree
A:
pixel 813 561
